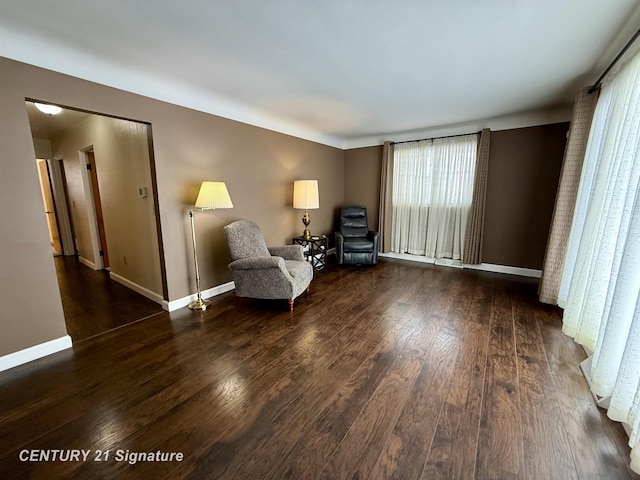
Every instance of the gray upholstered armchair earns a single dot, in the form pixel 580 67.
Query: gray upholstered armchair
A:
pixel 265 272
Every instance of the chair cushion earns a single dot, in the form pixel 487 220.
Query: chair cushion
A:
pixel 357 245
pixel 300 271
pixel 353 221
pixel 245 240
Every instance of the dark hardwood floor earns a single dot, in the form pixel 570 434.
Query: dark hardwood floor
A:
pixel 93 303
pixel 402 370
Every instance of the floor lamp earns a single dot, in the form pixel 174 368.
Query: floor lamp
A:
pixel 212 195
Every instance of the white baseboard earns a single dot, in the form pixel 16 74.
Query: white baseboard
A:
pixel 137 288
pixel 88 263
pixel 447 262
pixel 490 267
pixel 486 267
pixel 33 353
pixel 211 292
pixel 407 256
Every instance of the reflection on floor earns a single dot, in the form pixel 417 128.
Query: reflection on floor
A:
pixel 93 303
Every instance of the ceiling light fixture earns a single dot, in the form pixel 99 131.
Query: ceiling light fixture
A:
pixel 48 109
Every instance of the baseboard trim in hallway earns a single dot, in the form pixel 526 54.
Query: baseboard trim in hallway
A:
pixel 145 292
pixel 33 353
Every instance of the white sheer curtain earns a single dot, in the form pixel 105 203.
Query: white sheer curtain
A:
pixel 600 288
pixel 432 194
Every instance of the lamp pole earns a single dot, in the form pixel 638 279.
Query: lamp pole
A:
pixel 199 303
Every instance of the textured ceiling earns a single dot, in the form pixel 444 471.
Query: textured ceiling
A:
pixel 335 70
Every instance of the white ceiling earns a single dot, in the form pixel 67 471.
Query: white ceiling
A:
pixel 50 126
pixel 335 71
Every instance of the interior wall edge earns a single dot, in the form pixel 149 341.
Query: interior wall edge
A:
pixel 35 352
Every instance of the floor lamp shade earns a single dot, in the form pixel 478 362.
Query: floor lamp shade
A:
pixel 305 197
pixel 212 195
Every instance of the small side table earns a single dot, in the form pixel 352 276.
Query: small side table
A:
pixel 315 250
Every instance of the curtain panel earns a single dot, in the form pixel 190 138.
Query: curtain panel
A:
pixel 432 192
pixel 386 187
pixel 600 287
pixel 558 240
pixel 472 254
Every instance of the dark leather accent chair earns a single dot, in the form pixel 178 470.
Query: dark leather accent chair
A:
pixel 355 243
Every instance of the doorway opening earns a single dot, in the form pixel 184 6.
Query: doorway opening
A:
pixel 105 234
pixel 44 176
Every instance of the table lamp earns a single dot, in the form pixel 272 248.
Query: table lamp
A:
pixel 305 197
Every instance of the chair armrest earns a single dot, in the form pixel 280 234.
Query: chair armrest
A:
pixel 288 252
pixel 375 238
pixel 339 248
pixel 258 263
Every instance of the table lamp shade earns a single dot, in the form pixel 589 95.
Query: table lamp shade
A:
pixel 305 194
pixel 213 195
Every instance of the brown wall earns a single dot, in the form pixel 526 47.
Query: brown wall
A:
pixel 258 165
pixel 362 180
pixel 30 306
pixel 524 168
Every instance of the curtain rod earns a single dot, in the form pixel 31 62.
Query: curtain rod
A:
pixel 435 138
pixel 615 60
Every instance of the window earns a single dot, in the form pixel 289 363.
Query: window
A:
pixel 432 194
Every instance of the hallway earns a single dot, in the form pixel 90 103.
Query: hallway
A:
pixel 93 303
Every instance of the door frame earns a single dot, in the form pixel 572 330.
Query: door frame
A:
pixel 64 218
pixel 97 262
pixel 53 226
pixel 61 201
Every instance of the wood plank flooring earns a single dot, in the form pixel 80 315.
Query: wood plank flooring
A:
pixel 402 370
pixel 93 303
